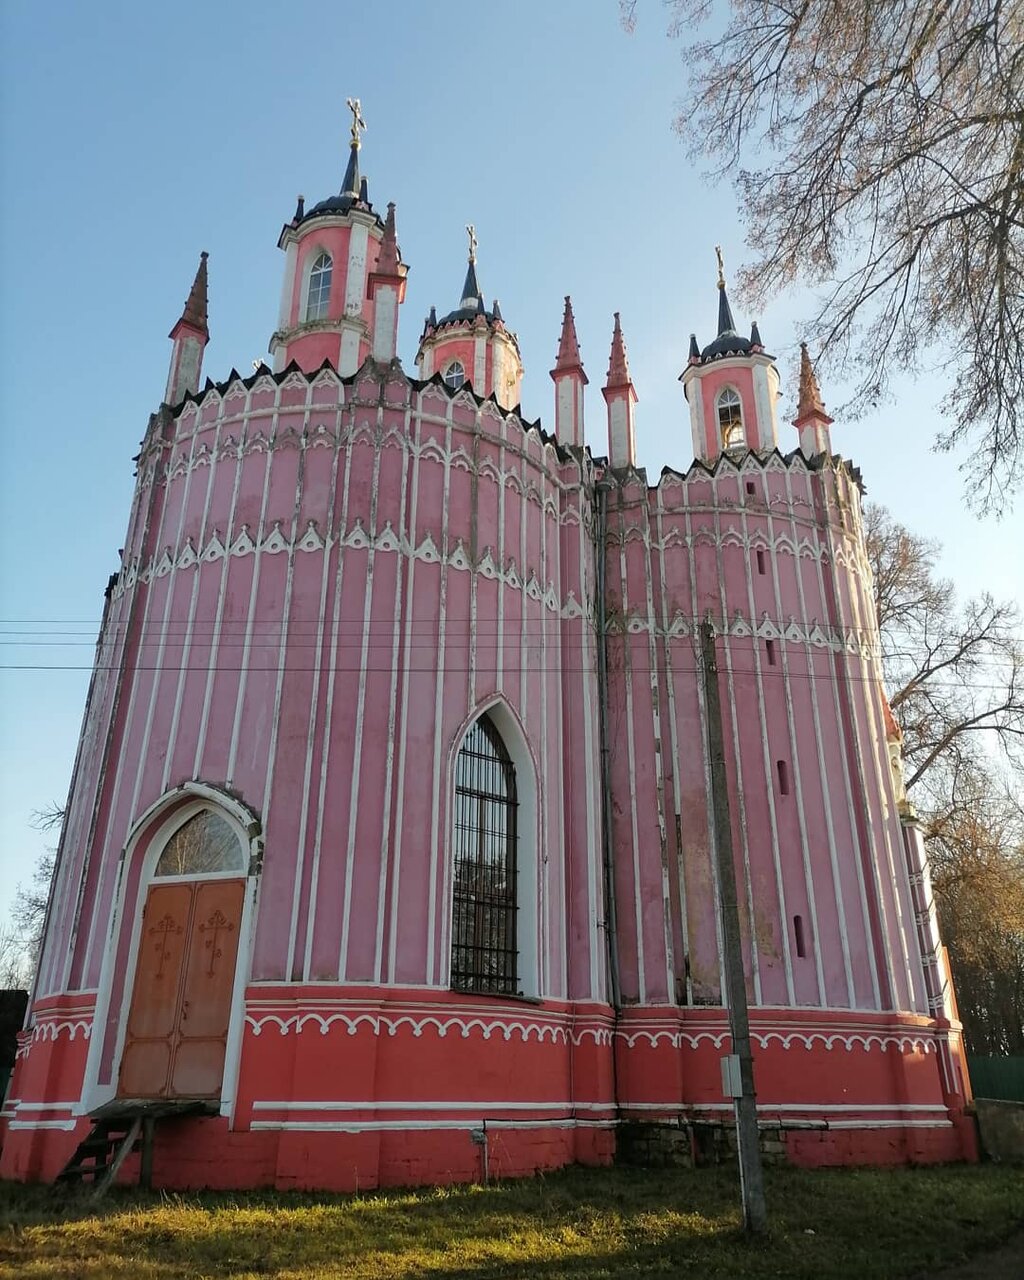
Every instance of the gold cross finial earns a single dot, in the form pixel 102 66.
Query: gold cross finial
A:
pixel 471 232
pixel 721 266
pixel 358 123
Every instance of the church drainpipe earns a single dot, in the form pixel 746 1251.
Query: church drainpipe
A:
pixel 601 491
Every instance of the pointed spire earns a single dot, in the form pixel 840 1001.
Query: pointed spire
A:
pixel 471 287
pixel 195 313
pixel 755 338
pixel 496 311
pixel 809 401
pixel 569 379
pixel 726 324
pixel 694 352
pixel 300 208
pixel 432 318
pixel 390 254
pixel 351 184
pixel 568 346
pixel 618 364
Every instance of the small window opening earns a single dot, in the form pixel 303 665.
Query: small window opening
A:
pixel 783 771
pixel 769 648
pixel 319 292
pixel 760 561
pixel 798 933
pixel 730 419
pixel 454 376
pixel 751 488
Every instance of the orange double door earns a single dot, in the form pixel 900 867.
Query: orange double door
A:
pixel 181 1000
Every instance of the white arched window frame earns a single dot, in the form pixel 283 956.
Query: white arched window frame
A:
pixel 148 840
pixel 454 375
pixel 504 724
pixel 729 413
pixel 318 287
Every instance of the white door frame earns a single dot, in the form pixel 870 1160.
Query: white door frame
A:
pixel 157 824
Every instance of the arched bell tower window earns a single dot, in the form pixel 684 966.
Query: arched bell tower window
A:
pixel 204 845
pixel 484 908
pixel 454 376
pixel 730 419
pixel 319 291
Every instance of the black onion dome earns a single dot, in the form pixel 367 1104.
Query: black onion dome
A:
pixel 467 313
pixel 729 343
pixel 353 194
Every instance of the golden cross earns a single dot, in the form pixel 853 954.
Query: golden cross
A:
pixel 357 119
pixel 471 230
pixel 721 266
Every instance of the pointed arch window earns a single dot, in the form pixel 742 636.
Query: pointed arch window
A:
pixel 319 290
pixel 730 419
pixel 484 906
pixel 455 375
pixel 205 845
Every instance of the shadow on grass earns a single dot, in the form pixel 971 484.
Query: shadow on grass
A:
pixel 582 1223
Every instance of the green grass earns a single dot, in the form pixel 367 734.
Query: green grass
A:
pixel 582 1223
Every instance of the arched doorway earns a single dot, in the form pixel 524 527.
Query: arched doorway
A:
pixel 176 1033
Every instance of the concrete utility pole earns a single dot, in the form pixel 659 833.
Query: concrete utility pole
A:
pixel 755 1213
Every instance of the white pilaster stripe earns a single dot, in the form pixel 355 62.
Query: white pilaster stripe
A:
pixel 357 758
pixel 327 737
pixel 798 793
pixel 389 759
pixel 823 778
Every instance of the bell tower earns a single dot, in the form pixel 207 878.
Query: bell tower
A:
pixel 471 344
pixel 731 387
pixel 333 279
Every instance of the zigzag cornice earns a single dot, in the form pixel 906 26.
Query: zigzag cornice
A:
pixel 845 640
pixel 252 437
pixel 274 541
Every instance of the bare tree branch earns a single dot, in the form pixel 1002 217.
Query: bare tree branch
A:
pixel 878 151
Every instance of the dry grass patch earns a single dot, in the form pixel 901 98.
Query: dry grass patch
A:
pixel 583 1223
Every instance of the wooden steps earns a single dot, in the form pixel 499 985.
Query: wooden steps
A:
pixel 100 1155
pixel 118 1128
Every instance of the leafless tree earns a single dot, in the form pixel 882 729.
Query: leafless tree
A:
pixel 955 674
pixel 878 152
pixel 976 849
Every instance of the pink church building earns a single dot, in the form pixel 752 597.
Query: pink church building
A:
pixel 389 855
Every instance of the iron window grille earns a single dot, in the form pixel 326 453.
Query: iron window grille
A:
pixel 484 952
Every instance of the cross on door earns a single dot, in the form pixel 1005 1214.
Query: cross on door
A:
pixel 218 923
pixel 163 930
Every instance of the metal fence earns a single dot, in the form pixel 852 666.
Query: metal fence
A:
pixel 997 1077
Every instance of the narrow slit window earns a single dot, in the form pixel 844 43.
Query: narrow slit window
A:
pixel 798 934
pixel 769 648
pixel 751 488
pixel 783 772
pixel 760 561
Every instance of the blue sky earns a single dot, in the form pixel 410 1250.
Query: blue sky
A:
pixel 135 135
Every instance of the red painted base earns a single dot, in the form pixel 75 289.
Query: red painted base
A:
pixel 343 1089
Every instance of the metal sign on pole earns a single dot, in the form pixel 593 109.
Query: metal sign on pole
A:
pixel 737 1067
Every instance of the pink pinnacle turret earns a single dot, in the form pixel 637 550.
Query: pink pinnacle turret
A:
pixel 618 365
pixel 390 255
pixel 196 313
pixel 568 346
